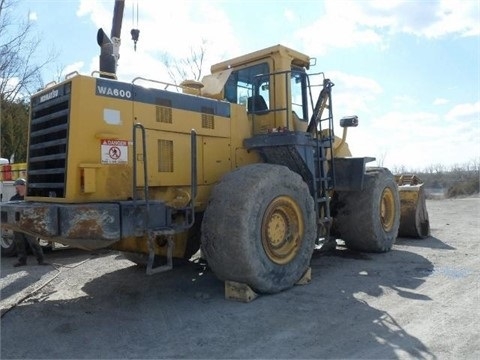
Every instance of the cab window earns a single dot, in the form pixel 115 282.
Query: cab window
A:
pixel 299 93
pixel 247 87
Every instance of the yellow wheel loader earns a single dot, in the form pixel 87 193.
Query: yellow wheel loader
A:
pixel 244 164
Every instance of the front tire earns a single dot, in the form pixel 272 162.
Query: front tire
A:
pixel 259 228
pixel 368 220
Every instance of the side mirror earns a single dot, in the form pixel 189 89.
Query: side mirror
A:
pixel 349 121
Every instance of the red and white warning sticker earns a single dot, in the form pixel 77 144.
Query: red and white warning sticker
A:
pixel 114 151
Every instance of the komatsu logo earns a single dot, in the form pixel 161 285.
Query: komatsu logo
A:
pixel 111 91
pixel 49 96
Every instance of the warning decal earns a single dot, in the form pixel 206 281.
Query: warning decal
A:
pixel 114 151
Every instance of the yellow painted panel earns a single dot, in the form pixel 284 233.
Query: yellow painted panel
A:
pixel 244 157
pixel 181 155
pixel 242 128
pixel 89 183
pixel 92 119
pixel 216 159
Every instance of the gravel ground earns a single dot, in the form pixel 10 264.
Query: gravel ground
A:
pixel 419 301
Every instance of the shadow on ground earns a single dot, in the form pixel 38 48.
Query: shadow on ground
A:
pixel 183 314
pixel 430 242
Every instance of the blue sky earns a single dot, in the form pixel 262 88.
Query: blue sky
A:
pixel 409 69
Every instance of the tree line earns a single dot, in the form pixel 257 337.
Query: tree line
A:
pixel 452 181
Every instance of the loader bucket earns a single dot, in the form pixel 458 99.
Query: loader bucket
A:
pixel 413 209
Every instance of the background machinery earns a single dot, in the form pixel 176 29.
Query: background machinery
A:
pixel 244 164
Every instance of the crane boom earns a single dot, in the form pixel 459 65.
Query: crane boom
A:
pixel 117 19
pixel 117 28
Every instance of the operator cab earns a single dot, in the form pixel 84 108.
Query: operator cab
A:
pixel 273 86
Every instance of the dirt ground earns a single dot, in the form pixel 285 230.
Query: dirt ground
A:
pixel 419 301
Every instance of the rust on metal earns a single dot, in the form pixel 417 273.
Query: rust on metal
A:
pixel 89 224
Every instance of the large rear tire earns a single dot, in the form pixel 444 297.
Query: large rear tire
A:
pixel 259 228
pixel 368 220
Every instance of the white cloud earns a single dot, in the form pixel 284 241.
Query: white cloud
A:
pixel 416 140
pixel 402 136
pixel 465 111
pixel 369 22
pixel 440 101
pixel 455 17
pixel 77 66
pixel 464 120
pixel 290 15
pixel 338 32
pixel 356 82
pixel 402 101
pixel 98 13
pixel 353 94
pixel 32 16
pixel 422 18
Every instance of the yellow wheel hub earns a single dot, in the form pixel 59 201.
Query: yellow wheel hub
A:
pixel 282 230
pixel 387 209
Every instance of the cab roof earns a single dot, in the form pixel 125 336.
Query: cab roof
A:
pixel 298 58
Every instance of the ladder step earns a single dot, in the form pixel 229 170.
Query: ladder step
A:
pixel 323 177
pixel 324 220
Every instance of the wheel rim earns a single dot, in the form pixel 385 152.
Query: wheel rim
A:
pixel 5 241
pixel 282 230
pixel 387 209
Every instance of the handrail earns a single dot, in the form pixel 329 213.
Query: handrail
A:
pixel 193 174
pixel 145 174
pixel 167 85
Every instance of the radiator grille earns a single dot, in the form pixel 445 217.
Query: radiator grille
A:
pixel 164 110
pixel 164 114
pixel 165 156
pixel 47 151
pixel 207 118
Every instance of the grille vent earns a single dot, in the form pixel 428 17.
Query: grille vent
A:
pixel 164 111
pixel 165 156
pixel 47 159
pixel 207 118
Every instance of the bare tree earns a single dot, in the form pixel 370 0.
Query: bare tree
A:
pixel 399 169
pixel 190 68
pixel 381 158
pixel 20 76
